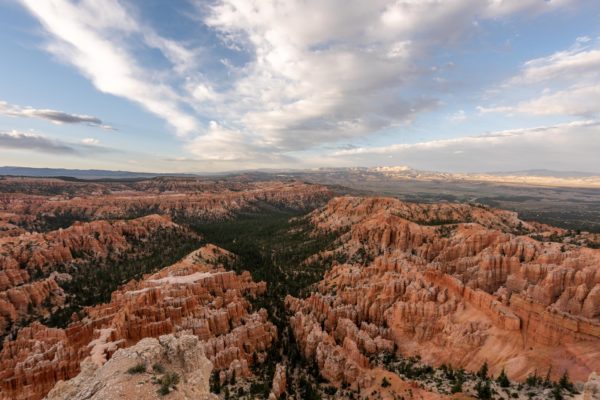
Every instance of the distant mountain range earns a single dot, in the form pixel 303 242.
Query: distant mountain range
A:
pixel 90 174
pixel 542 177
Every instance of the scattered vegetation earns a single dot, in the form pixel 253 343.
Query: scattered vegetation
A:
pixel 138 368
pixel 168 382
pixel 94 281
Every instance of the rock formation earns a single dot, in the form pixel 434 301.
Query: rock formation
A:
pixel 182 199
pixel 454 284
pixel 279 382
pixel 193 296
pixel 159 358
pixel 33 265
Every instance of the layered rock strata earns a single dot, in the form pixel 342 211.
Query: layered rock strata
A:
pixel 195 199
pixel 193 296
pixel 32 266
pixel 454 284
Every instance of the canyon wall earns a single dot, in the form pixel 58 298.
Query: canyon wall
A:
pixel 454 284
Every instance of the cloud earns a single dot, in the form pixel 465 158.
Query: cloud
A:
pixel 29 141
pixel 526 148
pixel 90 141
pixel 458 116
pixel 292 75
pixel 345 74
pixel 57 117
pixel 569 81
pixel 579 100
pixel 579 62
pixel 91 35
pixel 221 144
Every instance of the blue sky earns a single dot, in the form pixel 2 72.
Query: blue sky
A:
pixel 193 86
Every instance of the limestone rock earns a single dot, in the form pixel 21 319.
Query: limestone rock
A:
pixel 191 296
pixel 182 355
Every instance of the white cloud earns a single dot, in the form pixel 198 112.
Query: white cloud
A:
pixel 313 72
pixel 328 71
pixel 577 63
pixel 221 144
pixel 458 116
pixel 505 150
pixel 569 81
pixel 90 141
pixel 91 36
pixel 576 100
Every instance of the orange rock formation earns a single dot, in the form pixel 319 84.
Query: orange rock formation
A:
pixel 455 284
pixel 191 297
pixel 29 262
pixel 180 198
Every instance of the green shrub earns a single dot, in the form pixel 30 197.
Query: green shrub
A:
pixel 158 368
pixel 138 368
pixel 565 383
pixel 168 382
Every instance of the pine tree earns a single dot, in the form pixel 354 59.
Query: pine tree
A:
pixel 503 379
pixel 565 383
pixel 484 390
pixel 215 382
pixel 483 371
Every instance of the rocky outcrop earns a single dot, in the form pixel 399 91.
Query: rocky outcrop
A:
pixel 454 284
pixel 182 199
pixel 279 382
pixel 591 389
pixel 167 355
pixel 33 265
pixel 193 296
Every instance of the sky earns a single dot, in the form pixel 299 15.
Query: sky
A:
pixel 226 85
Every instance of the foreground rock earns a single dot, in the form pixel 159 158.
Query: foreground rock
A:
pixel 168 356
pixel 194 296
pixel 452 284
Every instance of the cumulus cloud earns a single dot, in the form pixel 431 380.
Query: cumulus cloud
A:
pixel 458 116
pixel 579 62
pixel 223 144
pixel 504 150
pixel 298 74
pixel 57 117
pixel 345 73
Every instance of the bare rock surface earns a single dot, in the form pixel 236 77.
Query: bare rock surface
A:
pixel 183 356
